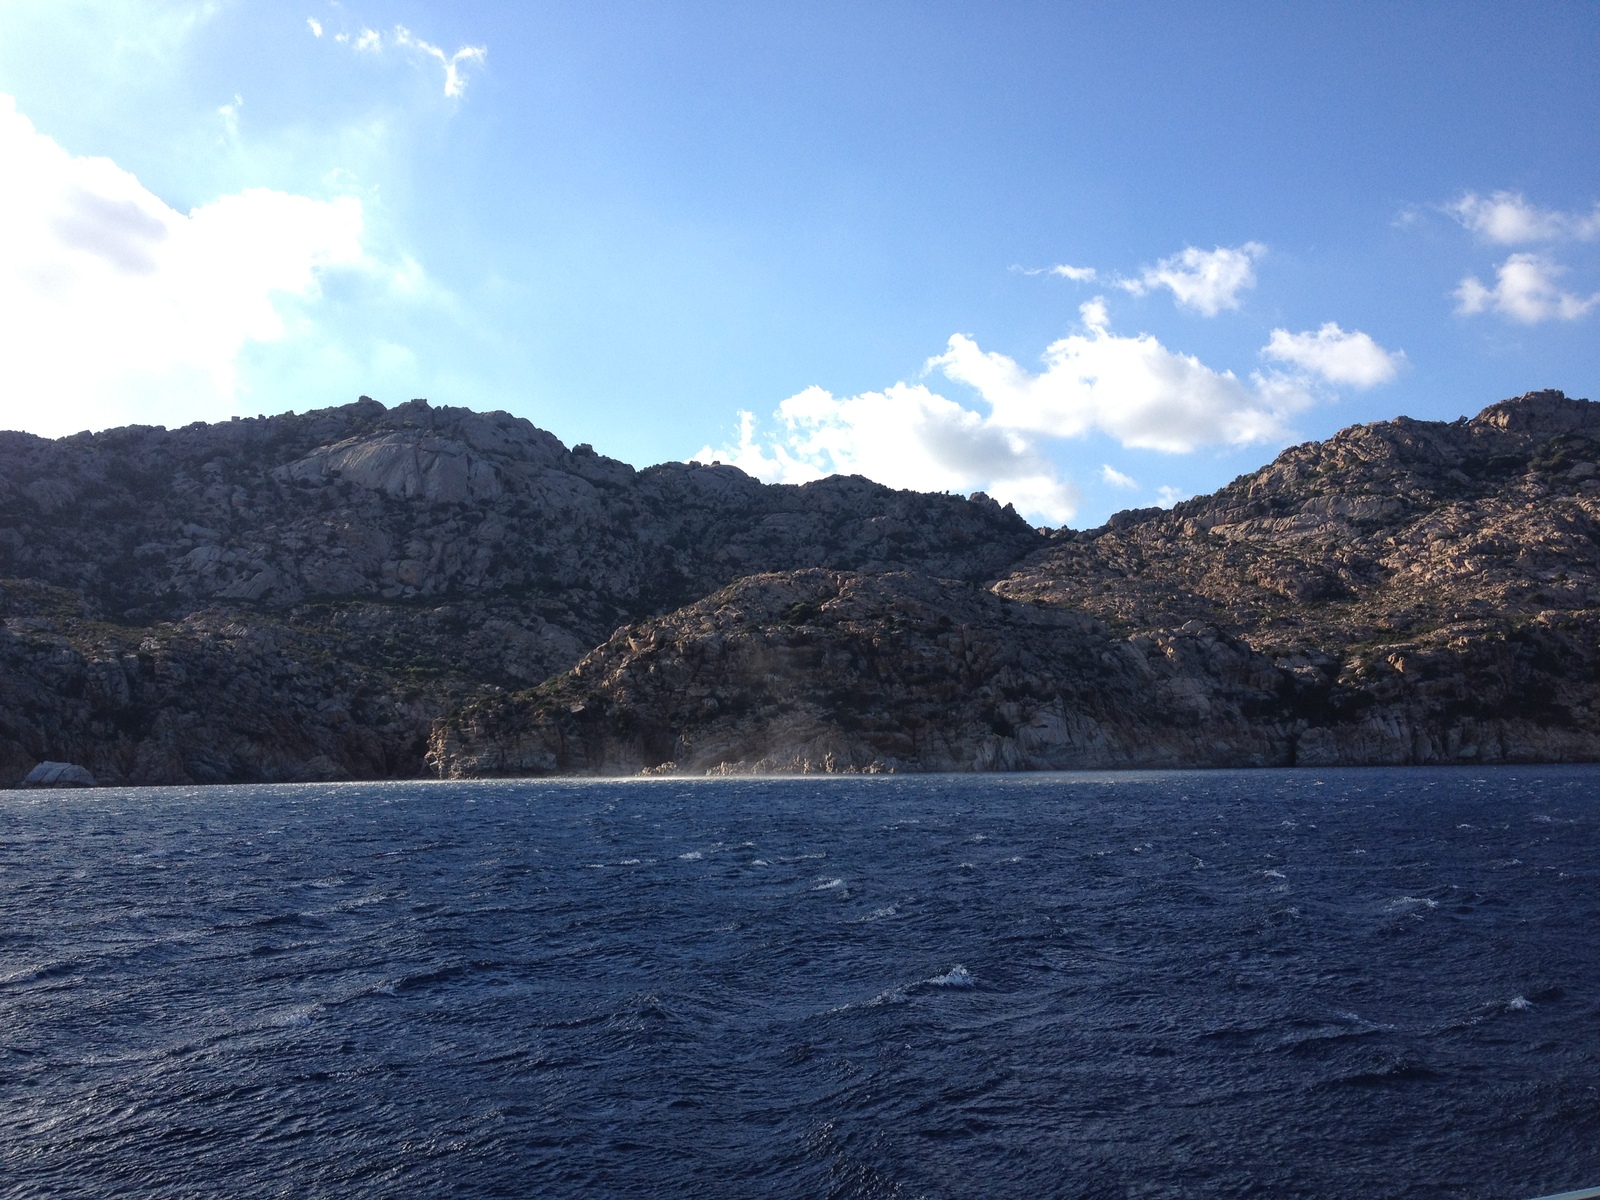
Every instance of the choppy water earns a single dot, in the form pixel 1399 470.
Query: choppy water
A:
pixel 1345 984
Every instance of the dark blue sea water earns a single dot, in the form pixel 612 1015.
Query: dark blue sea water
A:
pixel 1284 984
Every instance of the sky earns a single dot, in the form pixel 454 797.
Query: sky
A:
pixel 1082 257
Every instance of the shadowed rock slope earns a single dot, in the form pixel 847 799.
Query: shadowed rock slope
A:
pixel 300 597
pixel 1405 592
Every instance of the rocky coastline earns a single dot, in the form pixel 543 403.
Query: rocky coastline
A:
pixel 364 592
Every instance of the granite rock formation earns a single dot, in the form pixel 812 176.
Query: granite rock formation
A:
pixel 300 597
pixel 364 592
pixel 1405 592
pixel 59 775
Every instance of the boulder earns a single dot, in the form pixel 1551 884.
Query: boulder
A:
pixel 59 775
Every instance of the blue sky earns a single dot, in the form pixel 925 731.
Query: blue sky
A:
pixel 1082 257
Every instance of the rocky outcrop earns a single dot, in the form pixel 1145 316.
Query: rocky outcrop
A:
pixel 58 775
pixel 831 671
pixel 1406 592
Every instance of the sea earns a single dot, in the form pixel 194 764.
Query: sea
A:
pixel 1297 983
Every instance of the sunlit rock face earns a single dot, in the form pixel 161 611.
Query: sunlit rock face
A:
pixel 1405 592
pixel 440 470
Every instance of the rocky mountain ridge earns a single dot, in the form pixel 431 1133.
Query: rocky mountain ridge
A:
pixel 300 596
pixel 1403 592
pixel 364 592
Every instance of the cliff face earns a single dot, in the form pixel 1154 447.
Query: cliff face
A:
pixel 301 596
pixel 220 696
pixel 1403 592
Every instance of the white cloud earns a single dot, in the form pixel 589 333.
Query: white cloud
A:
pixel 454 84
pixel 1076 274
pixel 1526 291
pixel 1508 219
pixel 368 41
pixel 1133 388
pixel 1207 281
pixel 906 437
pixel 114 306
pixel 230 115
pixel 1167 495
pixel 315 26
pixel 372 42
pixel 1094 313
pixel 1337 356
pixel 773 464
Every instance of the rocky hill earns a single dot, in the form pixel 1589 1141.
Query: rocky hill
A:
pixel 300 597
pixel 365 592
pixel 1405 592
